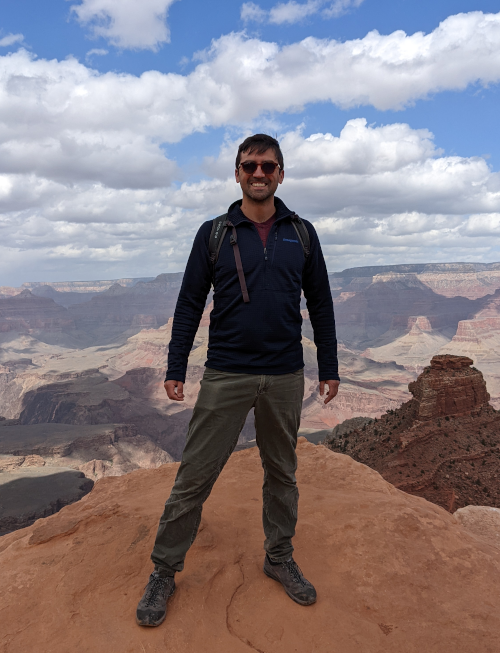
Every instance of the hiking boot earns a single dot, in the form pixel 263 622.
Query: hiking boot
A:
pixel 289 575
pixel 152 608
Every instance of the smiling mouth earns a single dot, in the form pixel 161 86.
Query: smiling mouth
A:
pixel 257 184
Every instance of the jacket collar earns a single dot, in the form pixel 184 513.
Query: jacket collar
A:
pixel 235 214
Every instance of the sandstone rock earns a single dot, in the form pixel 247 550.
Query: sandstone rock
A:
pixel 443 445
pixel 390 570
pixel 482 521
pixel 95 469
pixel 448 387
pixel 9 462
pixel 33 461
pixel 381 311
pixel 471 280
pixel 449 362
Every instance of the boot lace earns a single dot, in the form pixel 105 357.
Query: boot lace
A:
pixel 294 571
pixel 156 586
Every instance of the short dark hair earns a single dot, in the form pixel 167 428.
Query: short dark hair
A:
pixel 259 143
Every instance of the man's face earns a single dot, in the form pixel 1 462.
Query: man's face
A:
pixel 258 186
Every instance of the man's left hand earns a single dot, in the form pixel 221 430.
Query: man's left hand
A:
pixel 333 388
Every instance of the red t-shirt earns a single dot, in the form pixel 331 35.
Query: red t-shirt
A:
pixel 264 228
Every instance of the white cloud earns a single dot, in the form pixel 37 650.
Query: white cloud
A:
pixel 340 7
pixel 133 24
pixel 10 39
pixel 95 52
pixel 293 12
pixel 376 195
pixel 83 165
pixel 240 79
pixel 252 12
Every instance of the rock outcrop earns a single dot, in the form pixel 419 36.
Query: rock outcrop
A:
pixel 471 280
pixel 385 307
pixel 390 570
pixel 29 492
pixel 482 521
pixel 443 445
pixel 448 387
pixel 36 455
pixel 26 312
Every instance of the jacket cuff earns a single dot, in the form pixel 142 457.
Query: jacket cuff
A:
pixel 329 377
pixel 175 376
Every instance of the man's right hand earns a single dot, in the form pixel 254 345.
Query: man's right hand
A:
pixel 175 390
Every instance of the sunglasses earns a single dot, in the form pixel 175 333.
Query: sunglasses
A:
pixel 268 167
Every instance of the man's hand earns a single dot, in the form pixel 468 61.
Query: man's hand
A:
pixel 333 388
pixel 175 390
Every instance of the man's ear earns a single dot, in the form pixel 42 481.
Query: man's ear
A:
pixel 281 176
pixel 237 175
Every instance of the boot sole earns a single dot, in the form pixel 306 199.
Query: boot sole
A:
pixel 294 598
pixel 158 623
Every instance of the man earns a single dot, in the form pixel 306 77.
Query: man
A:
pixel 254 360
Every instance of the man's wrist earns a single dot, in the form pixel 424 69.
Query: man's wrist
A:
pixel 175 377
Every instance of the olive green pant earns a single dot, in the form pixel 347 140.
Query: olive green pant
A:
pixel 223 404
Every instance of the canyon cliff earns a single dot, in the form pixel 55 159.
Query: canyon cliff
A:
pixel 443 445
pixel 394 573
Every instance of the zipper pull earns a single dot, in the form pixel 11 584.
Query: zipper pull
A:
pixel 265 253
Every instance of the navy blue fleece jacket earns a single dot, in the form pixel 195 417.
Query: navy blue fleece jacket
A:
pixel 264 335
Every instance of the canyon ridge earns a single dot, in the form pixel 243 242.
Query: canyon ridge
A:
pixel 82 365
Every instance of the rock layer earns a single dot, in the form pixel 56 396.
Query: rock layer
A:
pixel 390 570
pixel 443 445
pixel 448 387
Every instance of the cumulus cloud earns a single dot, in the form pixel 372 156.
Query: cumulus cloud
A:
pixel 132 24
pixel 293 12
pixel 376 194
pixel 10 39
pixel 87 188
pixel 240 79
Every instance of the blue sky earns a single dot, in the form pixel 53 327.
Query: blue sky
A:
pixel 119 122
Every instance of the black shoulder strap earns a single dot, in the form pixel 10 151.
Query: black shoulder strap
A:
pixel 219 228
pixel 302 233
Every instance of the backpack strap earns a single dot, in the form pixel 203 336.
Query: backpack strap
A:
pixel 219 228
pixel 302 234
pixel 239 266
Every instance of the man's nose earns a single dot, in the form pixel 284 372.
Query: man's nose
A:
pixel 258 172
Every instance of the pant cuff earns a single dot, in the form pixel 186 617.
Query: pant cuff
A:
pixel 164 572
pixel 279 559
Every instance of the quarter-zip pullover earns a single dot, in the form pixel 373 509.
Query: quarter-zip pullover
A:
pixel 262 336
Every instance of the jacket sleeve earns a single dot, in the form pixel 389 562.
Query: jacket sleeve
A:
pixel 190 304
pixel 320 306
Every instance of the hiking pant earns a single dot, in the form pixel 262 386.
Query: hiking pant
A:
pixel 220 412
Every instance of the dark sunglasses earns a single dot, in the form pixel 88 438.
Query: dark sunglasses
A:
pixel 268 167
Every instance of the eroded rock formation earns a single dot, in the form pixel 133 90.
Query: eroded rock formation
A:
pixel 448 387
pixel 25 312
pixel 444 444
